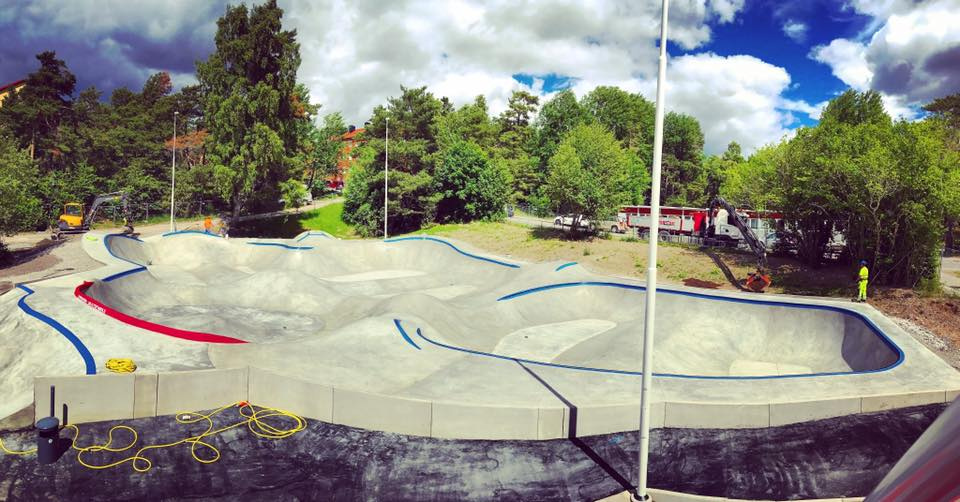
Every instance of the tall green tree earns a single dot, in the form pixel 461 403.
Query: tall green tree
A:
pixel 413 149
pixel 35 113
pixel 682 160
pixel 752 182
pixel 716 168
pixel 469 184
pixel 468 123
pixel 321 150
pixel 947 110
pixel 628 116
pixel 886 187
pixel 250 105
pixel 516 146
pixel 19 198
pixel 855 108
pixel 557 117
pixel 590 174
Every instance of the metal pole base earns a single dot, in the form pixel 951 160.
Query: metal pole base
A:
pixel 634 497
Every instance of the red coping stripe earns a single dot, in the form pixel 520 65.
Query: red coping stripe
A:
pixel 196 336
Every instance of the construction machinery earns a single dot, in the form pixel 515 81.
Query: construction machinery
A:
pixel 75 220
pixel 718 227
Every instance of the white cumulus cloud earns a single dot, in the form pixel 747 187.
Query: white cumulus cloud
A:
pixel 911 56
pixel 357 54
pixel 735 98
pixel 796 30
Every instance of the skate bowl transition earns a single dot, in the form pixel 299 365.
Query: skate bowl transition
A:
pixel 421 335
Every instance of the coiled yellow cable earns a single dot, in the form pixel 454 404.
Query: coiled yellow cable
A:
pixel 254 419
pixel 11 452
pixel 121 365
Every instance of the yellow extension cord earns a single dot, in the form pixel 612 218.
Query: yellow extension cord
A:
pixel 254 421
pixel 118 365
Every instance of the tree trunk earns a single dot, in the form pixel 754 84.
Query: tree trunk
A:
pixel 313 174
pixel 948 239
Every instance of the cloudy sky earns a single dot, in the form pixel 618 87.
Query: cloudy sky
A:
pixel 750 70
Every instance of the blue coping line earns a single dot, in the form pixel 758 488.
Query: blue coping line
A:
pixel 404 334
pixel 876 330
pixel 455 248
pixel 277 244
pixel 123 274
pixel 91 366
pixel 565 265
pixel 106 244
pixel 180 232
pixel 319 233
pixel 873 327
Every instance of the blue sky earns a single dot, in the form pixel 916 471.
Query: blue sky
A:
pixel 758 30
pixel 750 71
pixel 812 81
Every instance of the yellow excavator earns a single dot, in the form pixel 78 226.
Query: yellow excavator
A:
pixel 75 220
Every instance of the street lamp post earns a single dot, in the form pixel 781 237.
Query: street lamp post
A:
pixel 173 172
pixel 386 164
pixel 651 296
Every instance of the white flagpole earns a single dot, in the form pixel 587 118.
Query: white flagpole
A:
pixel 651 295
pixel 173 172
pixel 386 164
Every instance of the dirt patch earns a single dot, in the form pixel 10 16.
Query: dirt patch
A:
pixel 52 260
pixel 935 316
pixel 32 259
pixel 697 283
pixel 716 268
pixel 936 344
pixel 5 286
pixel 37 264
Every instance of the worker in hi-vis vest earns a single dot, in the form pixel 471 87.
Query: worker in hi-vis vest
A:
pixel 863 277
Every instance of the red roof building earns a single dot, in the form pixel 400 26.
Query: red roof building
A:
pixel 11 88
pixel 351 139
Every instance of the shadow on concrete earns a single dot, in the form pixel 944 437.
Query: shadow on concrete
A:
pixel 572 434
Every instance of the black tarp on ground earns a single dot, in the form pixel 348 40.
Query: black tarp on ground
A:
pixel 845 456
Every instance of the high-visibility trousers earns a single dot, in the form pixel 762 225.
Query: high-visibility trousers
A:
pixel 863 289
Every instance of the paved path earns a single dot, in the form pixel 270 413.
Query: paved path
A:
pixel 950 273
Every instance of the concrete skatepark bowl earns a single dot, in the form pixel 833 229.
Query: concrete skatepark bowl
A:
pixel 425 336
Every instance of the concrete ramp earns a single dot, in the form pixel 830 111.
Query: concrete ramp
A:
pixel 432 321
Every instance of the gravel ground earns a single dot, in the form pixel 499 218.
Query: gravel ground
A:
pixel 937 345
pixel 65 257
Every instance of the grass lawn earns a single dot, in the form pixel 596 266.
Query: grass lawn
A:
pixel 678 264
pixel 328 219
pixel 287 226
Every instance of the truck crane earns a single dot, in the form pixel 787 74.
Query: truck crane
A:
pixel 75 220
pixel 756 281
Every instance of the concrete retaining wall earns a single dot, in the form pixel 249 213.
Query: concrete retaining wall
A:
pixel 143 394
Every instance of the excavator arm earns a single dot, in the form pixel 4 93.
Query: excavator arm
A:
pixel 99 201
pixel 759 280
